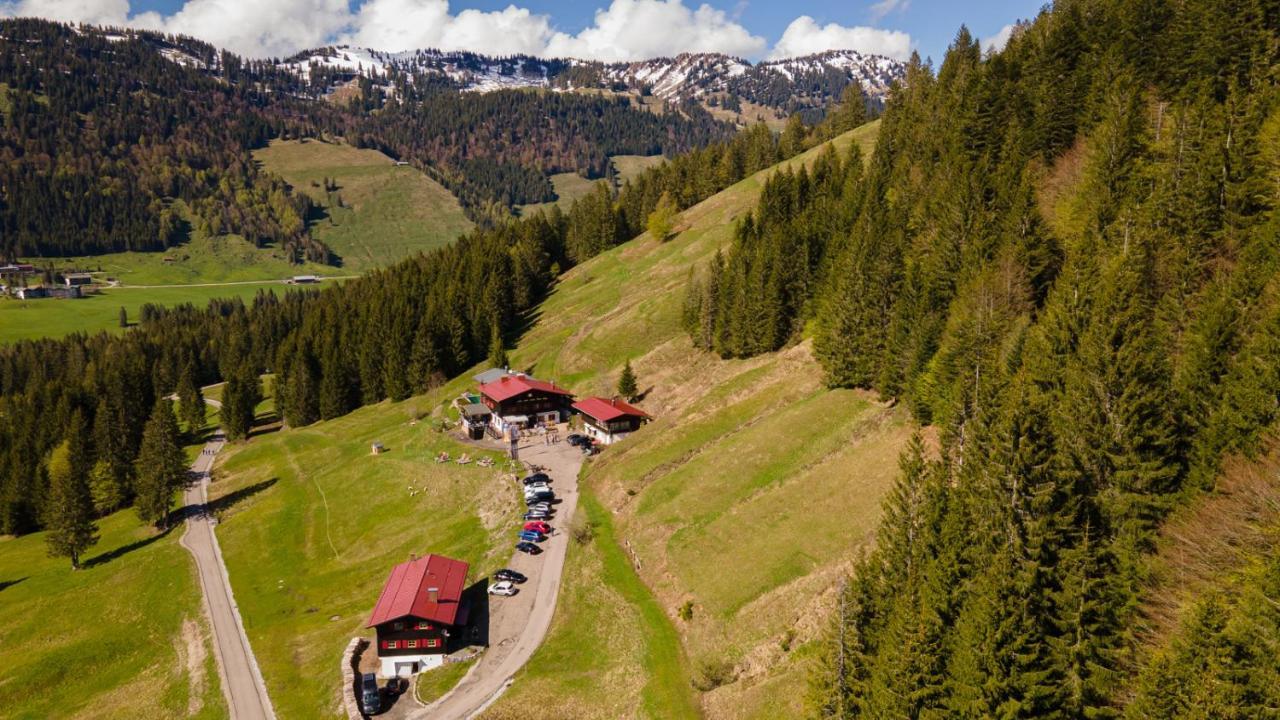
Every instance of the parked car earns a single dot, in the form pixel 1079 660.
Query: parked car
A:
pixel 528 547
pixel 538 526
pixel 511 575
pixel 536 487
pixel 578 439
pixel 544 507
pixel 504 588
pixel 537 515
pixel 590 449
pixel 370 700
pixel 544 498
pixel 537 478
pixel 531 536
pixel 395 685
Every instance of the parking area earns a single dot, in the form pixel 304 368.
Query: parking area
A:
pixel 516 624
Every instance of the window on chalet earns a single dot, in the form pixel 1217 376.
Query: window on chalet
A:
pixel 433 643
pixel 411 644
pixel 423 625
pixel 388 644
pixel 397 626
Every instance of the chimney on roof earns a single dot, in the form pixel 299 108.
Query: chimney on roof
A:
pixel 433 594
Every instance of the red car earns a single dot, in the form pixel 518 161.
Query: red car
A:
pixel 538 526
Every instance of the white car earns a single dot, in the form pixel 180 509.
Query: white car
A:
pixel 503 587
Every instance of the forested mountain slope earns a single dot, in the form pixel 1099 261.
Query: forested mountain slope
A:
pixel 126 122
pixel 1063 257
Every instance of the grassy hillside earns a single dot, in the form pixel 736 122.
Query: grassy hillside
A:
pixel 123 637
pixel 317 523
pixel 386 213
pixel 712 501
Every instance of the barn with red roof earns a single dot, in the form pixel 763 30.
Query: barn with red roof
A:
pixel 420 609
pixel 609 420
pixel 519 400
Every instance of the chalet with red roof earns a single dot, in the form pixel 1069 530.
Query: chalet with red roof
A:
pixel 420 608
pixel 609 420
pixel 519 400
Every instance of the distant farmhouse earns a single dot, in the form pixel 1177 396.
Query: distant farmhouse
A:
pixel 609 420
pixel 38 293
pixel 77 279
pixel 420 609
pixel 303 280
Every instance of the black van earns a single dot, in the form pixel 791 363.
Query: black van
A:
pixel 369 698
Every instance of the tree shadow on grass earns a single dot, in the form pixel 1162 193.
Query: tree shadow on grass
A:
pixel 476 600
pixel 226 502
pixel 6 584
pixel 123 550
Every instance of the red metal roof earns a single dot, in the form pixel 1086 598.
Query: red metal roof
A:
pixel 605 410
pixel 408 591
pixel 510 386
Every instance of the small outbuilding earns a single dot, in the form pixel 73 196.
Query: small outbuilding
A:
pixel 77 279
pixel 377 448
pixel 609 420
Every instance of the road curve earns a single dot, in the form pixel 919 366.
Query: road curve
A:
pixel 493 672
pixel 242 683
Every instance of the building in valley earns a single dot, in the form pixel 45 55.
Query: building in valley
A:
pixel 609 420
pixel 77 279
pixel 420 609
pixel 520 401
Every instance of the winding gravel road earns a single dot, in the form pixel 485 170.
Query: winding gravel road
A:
pixel 242 683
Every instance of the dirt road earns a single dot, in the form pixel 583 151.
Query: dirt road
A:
pixel 518 624
pixel 242 683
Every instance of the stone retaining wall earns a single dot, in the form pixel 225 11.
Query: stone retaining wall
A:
pixel 351 671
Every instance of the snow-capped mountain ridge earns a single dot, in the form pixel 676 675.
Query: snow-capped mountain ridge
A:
pixel 799 81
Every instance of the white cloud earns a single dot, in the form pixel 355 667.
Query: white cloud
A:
pixel 640 29
pixel 413 24
pixel 625 30
pixel 884 7
pixel 97 12
pixel 804 36
pixel 996 42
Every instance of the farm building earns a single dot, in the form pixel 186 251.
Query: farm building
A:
pixel 303 280
pixel 609 420
pixel 519 400
pixel 419 610
pixel 36 293
pixel 77 279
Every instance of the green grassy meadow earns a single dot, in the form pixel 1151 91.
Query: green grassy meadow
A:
pixel 387 212
pixel 32 319
pixel 314 523
pixel 123 637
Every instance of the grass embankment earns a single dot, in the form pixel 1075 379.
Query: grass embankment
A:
pixel 314 524
pixel 387 212
pixel 123 637
pixel 714 500
pixel 431 686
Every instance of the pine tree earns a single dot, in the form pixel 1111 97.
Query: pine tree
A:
pixel 124 318
pixel 191 406
pixel 240 400
pixel 497 351
pixel 627 383
pixel 69 510
pixel 162 468
pixel 662 219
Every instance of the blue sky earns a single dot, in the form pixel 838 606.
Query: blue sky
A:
pixel 600 29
